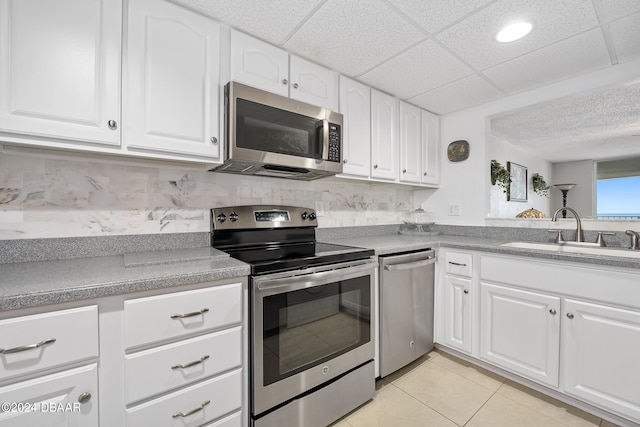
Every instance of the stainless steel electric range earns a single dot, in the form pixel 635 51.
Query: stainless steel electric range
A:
pixel 311 315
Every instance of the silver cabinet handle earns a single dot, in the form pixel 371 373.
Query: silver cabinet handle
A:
pixel 409 265
pixel 425 174
pixel 570 315
pixel 190 364
pixel 113 125
pixel 27 347
pixel 553 312
pixel 375 166
pixel 457 263
pixel 191 412
pixel 404 171
pixel 285 81
pixel 466 291
pixel 192 314
pixel 84 397
pixel 344 161
pixel 295 85
pixel 214 140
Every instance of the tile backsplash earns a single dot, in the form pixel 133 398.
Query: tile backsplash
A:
pixel 56 195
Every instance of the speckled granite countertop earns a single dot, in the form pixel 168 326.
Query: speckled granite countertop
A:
pixel 388 244
pixel 31 284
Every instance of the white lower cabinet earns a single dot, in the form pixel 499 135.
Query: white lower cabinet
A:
pixel 600 356
pixel 520 331
pixel 64 399
pixel 457 313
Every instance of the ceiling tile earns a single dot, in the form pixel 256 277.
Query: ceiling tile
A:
pixel 616 9
pixel 474 38
pixel 625 34
pixel 353 36
pixel 464 93
pixel 417 70
pixel 269 20
pixel 433 15
pixel 568 58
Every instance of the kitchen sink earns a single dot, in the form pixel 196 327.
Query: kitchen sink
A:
pixel 575 249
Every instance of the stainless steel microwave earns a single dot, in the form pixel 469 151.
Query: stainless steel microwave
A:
pixel 272 135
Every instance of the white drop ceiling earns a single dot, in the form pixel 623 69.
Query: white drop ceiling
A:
pixel 441 54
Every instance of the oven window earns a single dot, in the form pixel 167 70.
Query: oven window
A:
pixel 307 327
pixel 264 128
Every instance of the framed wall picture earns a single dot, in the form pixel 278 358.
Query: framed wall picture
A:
pixel 518 188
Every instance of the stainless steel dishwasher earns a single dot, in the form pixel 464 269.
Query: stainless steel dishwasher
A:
pixel 406 308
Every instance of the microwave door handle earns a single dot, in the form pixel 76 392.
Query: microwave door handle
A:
pixel 323 137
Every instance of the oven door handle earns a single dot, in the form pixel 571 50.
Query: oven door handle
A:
pixel 410 265
pixel 312 278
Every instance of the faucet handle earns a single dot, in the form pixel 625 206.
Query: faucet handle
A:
pixel 634 238
pixel 558 238
pixel 600 240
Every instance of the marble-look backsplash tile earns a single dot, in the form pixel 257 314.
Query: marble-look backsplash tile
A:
pixel 53 196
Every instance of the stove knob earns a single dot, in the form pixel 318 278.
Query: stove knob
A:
pixel 304 215
pixel 233 217
pixel 221 217
pixel 312 216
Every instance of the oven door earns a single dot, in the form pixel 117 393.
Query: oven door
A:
pixel 309 328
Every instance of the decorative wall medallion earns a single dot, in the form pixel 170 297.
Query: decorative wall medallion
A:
pixel 458 151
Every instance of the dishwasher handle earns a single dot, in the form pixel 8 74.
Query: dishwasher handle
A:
pixel 410 265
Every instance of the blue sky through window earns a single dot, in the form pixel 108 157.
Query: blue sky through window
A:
pixel 619 196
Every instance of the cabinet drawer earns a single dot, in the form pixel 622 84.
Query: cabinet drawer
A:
pixel 157 318
pixel 52 400
pixel 458 263
pixel 41 341
pixel 189 406
pixel 156 371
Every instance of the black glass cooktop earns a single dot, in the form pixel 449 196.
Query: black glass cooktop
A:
pixel 284 257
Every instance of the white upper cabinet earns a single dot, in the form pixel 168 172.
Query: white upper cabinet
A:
pixel 384 136
pixel 410 143
pixel 172 86
pixel 355 106
pixel 264 66
pixel 430 149
pixel 259 64
pixel 60 70
pixel 313 84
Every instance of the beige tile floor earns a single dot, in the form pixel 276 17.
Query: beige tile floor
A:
pixel 440 390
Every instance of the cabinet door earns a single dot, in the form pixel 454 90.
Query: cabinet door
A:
pixel 173 81
pixel 600 354
pixel 312 83
pixel 457 313
pixel 259 64
pixel 54 400
pixel 384 136
pixel 520 331
pixel 60 69
pixel 410 143
pixel 430 148
pixel 355 106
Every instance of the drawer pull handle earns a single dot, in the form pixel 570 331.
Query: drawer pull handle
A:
pixel 457 263
pixel 192 314
pixel 190 364
pixel 466 291
pixel 191 412
pixel 27 347
pixel 84 397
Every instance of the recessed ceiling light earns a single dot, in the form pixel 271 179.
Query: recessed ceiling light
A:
pixel 513 32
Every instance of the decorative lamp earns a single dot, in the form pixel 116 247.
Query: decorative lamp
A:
pixel 565 189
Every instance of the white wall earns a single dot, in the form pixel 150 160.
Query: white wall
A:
pixel 467 183
pixel 499 207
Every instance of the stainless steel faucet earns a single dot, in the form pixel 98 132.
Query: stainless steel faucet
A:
pixel 579 233
pixel 634 239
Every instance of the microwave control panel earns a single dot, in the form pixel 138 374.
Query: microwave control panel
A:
pixel 334 143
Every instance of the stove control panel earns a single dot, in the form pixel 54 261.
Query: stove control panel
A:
pixel 262 216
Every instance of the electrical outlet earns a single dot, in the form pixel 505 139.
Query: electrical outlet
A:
pixel 319 208
pixel 454 209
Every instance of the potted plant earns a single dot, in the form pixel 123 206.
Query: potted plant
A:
pixel 501 176
pixel 540 187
